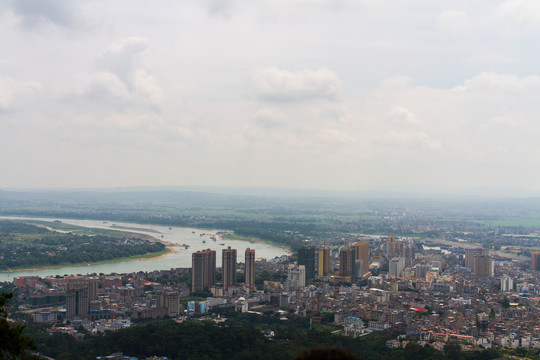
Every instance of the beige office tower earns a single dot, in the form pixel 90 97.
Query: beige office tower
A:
pixel 470 254
pixel 77 303
pixel 203 269
pixel 323 263
pixel 362 253
pixel 535 260
pixel 483 266
pixel 391 246
pixel 250 268
pixel 229 267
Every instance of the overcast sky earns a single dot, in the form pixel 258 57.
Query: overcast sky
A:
pixel 314 94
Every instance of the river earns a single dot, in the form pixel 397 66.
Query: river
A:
pixel 176 235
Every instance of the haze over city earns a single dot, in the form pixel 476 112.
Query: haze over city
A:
pixel 336 95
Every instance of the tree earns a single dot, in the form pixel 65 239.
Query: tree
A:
pixel 452 350
pixel 13 345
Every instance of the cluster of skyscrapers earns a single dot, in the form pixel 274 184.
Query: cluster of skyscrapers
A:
pixel 353 261
pixel 204 269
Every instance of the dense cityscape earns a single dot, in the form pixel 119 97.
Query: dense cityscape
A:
pixel 432 295
pixel 271 179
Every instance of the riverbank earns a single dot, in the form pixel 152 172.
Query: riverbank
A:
pixel 183 241
pixel 113 226
pixel 254 240
pixel 149 256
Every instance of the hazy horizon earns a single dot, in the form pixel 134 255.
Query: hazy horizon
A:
pixel 404 193
pixel 415 97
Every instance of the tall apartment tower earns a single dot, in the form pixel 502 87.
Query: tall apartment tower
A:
pixel 362 253
pixel 396 267
pixel 409 253
pixel 229 267
pixel 297 274
pixel 507 283
pixel 323 265
pixel 250 268
pixel 77 303
pixel 203 269
pixel 470 254
pixel 535 260
pixel 483 266
pixel 346 261
pixel 306 257
pixel 391 246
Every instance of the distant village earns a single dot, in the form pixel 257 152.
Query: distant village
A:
pixel 430 294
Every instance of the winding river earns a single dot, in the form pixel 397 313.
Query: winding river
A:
pixel 181 257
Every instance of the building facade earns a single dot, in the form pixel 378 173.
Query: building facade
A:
pixel 229 267
pixel 323 263
pixel 362 253
pixel 470 255
pixel 306 257
pixel 250 268
pixel 483 266
pixel 396 267
pixel 203 270
pixel 346 261
pixel 297 275
pixel 391 246
pixel 535 260
pixel 77 303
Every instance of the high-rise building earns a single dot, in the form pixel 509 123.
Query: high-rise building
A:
pixel 229 267
pixel 250 268
pixel 358 268
pixel 391 246
pixel 507 283
pixel 471 253
pixel 171 301
pixel 396 267
pixel 482 324
pixel 483 266
pixel 535 260
pixel 297 274
pixel 346 261
pixel 306 257
pixel 420 271
pixel 77 303
pixel 409 253
pixel 362 253
pixel 203 269
pixel 323 264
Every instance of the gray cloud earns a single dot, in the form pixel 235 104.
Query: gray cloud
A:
pixel 36 12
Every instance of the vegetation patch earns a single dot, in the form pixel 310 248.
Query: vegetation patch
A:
pixel 29 246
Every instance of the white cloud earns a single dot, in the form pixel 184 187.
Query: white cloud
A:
pixel 122 58
pixel 507 83
pixel 403 140
pixel 401 116
pixel 423 90
pixel 454 21
pixel 520 12
pixel 269 118
pixel 12 91
pixel 7 91
pixel 103 86
pixel 273 84
pixel 146 85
